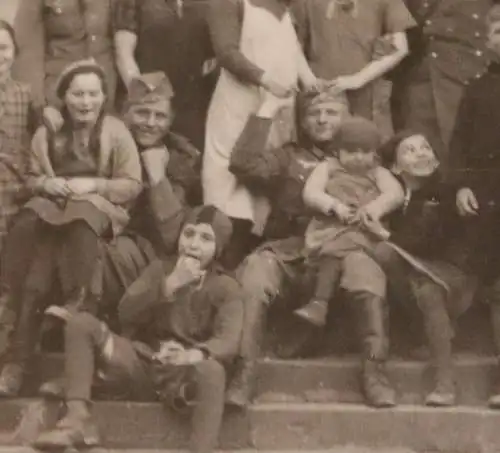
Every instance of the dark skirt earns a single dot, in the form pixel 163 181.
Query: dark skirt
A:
pixel 60 212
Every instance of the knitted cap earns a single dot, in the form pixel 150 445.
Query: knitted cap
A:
pixel 148 88
pixel 220 223
pixel 79 67
pixel 357 133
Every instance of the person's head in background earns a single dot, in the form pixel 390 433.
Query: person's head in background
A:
pixel 409 155
pixel 493 31
pixel 321 116
pixel 8 49
pixel 356 143
pixel 148 110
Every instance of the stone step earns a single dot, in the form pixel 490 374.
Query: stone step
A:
pixel 281 426
pixel 342 449
pixel 336 380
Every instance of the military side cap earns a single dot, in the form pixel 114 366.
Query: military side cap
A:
pixel 150 87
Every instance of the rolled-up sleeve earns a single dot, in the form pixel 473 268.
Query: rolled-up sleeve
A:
pixel 225 23
pixel 125 16
pixel 125 183
pixel 397 17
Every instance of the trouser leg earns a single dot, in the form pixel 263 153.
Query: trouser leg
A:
pixel 364 282
pixel 207 414
pixel 28 311
pixel 77 259
pixel 328 271
pixel 261 276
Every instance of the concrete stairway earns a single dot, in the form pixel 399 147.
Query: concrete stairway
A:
pixel 301 405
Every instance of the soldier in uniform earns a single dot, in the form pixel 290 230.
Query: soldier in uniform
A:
pixel 447 49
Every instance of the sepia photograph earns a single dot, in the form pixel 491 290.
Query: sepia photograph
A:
pixel 250 226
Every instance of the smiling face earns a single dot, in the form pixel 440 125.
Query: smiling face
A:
pixel 85 98
pixel 415 157
pixel 322 121
pixel 198 242
pixel 7 53
pixel 150 122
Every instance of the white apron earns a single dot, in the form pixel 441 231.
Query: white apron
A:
pixel 271 44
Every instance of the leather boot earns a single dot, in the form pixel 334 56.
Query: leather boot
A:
pixel 242 386
pixel 377 388
pixel 439 333
pixel 372 319
pixel 76 429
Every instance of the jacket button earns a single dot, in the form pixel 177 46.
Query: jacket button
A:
pixel 434 54
pixel 479 53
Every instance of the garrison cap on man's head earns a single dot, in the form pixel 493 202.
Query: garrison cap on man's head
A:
pixel 150 87
pixel 326 96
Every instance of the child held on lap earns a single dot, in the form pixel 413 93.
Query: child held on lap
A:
pixel 346 190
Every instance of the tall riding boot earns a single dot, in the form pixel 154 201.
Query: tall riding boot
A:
pixel 439 333
pixel 494 401
pixel 22 346
pixel 372 319
pixel 242 386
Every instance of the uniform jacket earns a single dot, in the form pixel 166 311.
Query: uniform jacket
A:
pixel 447 50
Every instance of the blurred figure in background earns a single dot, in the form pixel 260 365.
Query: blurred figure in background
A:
pixel 341 39
pixel 54 33
pixel 447 49
pixel 172 37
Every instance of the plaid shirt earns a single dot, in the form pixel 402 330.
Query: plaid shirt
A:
pixel 17 116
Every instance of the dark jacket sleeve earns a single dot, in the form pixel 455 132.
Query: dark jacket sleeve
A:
pixel 225 22
pixel 258 168
pixel 461 140
pixel 224 343
pixel 168 214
